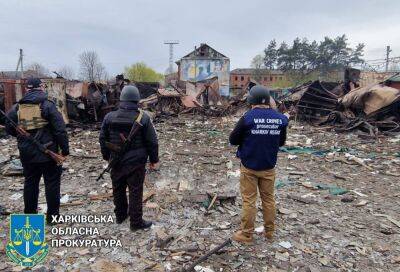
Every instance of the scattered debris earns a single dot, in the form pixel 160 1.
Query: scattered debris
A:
pixel 103 265
pixel 323 231
pixel 285 244
pixel 13 168
pixel 361 203
pixel 207 255
pixel 391 219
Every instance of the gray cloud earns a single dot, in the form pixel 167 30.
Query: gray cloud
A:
pixel 55 32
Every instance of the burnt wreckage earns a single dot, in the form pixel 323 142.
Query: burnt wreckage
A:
pixel 344 105
pixel 371 108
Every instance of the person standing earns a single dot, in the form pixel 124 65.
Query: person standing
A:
pixel 40 118
pixel 130 170
pixel 259 134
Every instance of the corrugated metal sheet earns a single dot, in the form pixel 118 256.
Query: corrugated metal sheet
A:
pixel 56 90
pixel 14 90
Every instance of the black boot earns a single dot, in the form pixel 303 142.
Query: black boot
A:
pixel 143 225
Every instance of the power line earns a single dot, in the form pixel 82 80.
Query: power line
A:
pixel 171 44
pixel 387 57
pixel 20 63
pixel 390 59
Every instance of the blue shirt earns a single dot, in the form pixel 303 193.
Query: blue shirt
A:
pixel 259 134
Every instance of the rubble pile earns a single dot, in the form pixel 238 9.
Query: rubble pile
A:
pixel 371 108
pixel 203 99
pixel 314 100
pixel 335 193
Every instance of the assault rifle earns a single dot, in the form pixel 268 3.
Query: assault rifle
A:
pixel 42 147
pixel 120 152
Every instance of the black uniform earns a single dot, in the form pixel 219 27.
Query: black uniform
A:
pixel 36 163
pixel 130 172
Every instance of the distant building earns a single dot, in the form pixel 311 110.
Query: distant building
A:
pixel 18 74
pixel 240 77
pixel 205 63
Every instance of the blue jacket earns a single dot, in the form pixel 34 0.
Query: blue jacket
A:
pixel 259 134
pixel 55 131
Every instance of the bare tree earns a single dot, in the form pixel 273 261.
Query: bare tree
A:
pixel 91 67
pixel 257 62
pixel 100 72
pixel 66 72
pixel 38 69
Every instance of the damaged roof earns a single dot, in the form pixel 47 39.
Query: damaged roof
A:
pixel 204 51
pixel 370 99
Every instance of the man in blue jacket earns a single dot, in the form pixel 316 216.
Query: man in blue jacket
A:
pixel 40 117
pixel 259 134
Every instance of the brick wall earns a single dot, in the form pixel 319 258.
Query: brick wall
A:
pixel 240 80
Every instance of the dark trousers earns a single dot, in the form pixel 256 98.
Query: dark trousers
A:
pixel 133 178
pixel 52 176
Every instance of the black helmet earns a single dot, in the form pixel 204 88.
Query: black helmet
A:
pixel 258 95
pixel 129 93
pixel 33 82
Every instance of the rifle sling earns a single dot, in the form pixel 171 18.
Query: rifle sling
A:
pixel 137 122
pixel 129 138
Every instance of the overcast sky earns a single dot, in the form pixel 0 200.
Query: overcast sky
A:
pixel 54 32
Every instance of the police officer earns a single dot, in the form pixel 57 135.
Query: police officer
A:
pixel 130 171
pixel 259 134
pixel 40 117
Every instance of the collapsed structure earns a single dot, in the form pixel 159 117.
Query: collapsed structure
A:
pixel 370 108
pixel 201 85
pixel 348 105
pixel 12 90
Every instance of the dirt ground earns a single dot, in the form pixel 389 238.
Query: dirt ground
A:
pixel 337 200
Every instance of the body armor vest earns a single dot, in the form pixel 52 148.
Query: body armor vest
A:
pixel 30 116
pixel 120 126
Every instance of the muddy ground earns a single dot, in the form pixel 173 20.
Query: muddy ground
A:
pixel 337 200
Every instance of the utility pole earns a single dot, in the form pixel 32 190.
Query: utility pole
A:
pixel 20 63
pixel 387 57
pixel 171 44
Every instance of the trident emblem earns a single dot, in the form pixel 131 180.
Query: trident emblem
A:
pixel 29 234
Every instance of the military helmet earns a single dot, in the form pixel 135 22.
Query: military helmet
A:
pixel 33 82
pixel 129 93
pixel 258 95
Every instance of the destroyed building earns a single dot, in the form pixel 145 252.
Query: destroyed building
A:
pixel 194 197
pixel 200 85
pixel 371 108
pixel 350 104
pixel 77 100
pixel 202 64
pixel 12 90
